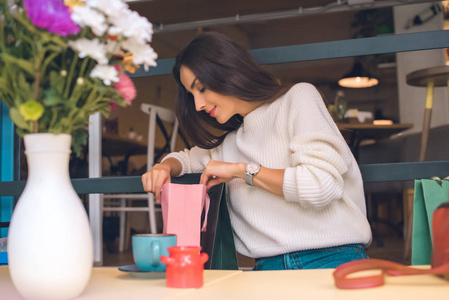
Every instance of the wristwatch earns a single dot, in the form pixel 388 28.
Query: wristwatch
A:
pixel 252 169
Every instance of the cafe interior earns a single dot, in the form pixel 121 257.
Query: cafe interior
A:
pixel 377 100
pixel 387 101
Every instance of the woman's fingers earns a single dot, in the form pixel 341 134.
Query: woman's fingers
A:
pixel 214 181
pixel 158 183
pixel 153 181
pixel 204 178
pixel 217 172
pixel 208 174
pixel 147 182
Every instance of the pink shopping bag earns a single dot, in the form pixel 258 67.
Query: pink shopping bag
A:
pixel 182 206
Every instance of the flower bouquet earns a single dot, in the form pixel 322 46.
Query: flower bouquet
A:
pixel 61 61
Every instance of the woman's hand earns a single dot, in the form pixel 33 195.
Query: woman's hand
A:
pixel 217 172
pixel 154 179
pixel 160 174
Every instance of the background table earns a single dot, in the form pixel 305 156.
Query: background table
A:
pixel 355 133
pixel 114 145
pixel 429 78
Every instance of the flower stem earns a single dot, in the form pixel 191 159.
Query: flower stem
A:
pixel 72 67
pixel 48 60
pixel 83 66
pixel 37 79
pixel 2 32
pixel 69 75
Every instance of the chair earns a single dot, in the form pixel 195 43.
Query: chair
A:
pixel 157 116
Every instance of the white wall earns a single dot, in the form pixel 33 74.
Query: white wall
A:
pixel 412 99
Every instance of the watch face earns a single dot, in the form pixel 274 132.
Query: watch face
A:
pixel 251 168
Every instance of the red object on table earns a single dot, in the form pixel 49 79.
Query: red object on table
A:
pixel 440 259
pixel 185 266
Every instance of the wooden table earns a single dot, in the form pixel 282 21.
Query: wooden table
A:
pixel 114 145
pixel 319 285
pixel 355 133
pixel 111 284
pixel 429 78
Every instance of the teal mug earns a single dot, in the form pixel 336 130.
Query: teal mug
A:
pixel 148 249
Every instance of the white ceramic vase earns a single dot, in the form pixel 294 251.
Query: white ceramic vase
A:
pixel 50 247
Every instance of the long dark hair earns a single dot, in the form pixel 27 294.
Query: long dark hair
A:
pixel 226 68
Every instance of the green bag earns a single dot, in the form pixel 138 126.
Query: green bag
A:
pixel 218 240
pixel 429 194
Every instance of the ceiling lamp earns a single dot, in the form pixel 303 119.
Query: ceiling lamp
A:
pixel 358 78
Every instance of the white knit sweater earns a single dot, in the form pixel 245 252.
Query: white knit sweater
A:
pixel 323 203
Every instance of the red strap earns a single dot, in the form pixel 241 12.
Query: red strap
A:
pixel 387 267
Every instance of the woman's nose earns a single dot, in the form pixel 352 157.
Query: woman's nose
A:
pixel 199 103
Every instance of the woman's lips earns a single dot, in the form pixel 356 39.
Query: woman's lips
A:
pixel 212 112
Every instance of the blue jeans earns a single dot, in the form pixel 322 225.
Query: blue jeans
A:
pixel 312 259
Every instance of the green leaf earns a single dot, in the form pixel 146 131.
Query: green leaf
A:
pixel 65 122
pixel 52 97
pixel 56 81
pixel 79 140
pixel 25 65
pixel 18 119
pixel 4 87
pixel 57 128
pixel 23 89
pixel 45 119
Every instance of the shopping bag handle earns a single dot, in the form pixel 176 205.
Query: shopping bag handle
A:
pixel 387 267
pixel 206 204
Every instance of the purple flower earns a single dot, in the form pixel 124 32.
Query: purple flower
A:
pixel 51 15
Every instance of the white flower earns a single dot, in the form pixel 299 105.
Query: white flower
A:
pixel 112 47
pixel 92 48
pixel 106 73
pixel 142 53
pixel 111 8
pixel 131 25
pixel 86 16
pixel 13 8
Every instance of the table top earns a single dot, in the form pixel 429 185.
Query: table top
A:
pixel 439 75
pixel 374 131
pixel 114 145
pixel 317 284
pixel 110 283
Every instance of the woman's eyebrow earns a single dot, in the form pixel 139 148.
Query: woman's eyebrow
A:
pixel 193 83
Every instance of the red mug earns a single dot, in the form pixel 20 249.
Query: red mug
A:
pixel 184 266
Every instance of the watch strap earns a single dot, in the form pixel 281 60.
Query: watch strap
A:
pixel 249 179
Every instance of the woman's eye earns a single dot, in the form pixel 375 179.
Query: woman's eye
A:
pixel 202 90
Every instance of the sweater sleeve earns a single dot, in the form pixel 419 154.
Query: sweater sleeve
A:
pixel 319 154
pixel 193 160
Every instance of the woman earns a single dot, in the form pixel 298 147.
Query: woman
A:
pixel 296 193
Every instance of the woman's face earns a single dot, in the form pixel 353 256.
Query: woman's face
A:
pixel 216 105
